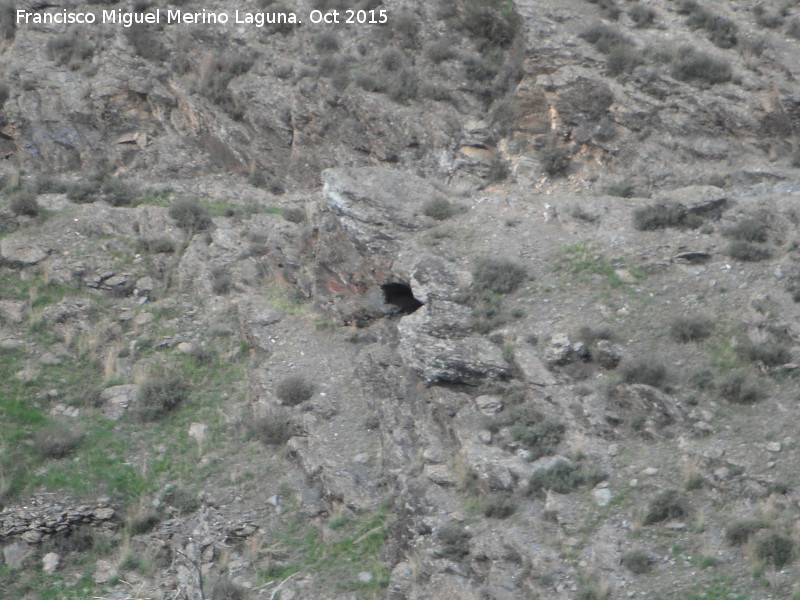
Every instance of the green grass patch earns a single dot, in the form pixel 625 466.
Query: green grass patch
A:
pixel 582 260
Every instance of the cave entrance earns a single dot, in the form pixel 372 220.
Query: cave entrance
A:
pixel 400 296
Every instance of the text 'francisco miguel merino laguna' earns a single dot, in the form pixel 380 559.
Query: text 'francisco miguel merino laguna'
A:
pixel 168 16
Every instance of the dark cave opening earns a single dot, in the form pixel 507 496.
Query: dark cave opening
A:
pixel 401 296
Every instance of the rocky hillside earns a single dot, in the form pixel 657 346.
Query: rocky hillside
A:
pixel 493 300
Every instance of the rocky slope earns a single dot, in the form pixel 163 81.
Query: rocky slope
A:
pixel 496 300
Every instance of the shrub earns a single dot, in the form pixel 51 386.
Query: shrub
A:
pixel 622 59
pixel 646 371
pixel 748 229
pixel 181 499
pixel 669 504
pixel 604 38
pixel 438 208
pixel 441 51
pixel 326 42
pixel 225 589
pixel 555 159
pixel 695 66
pixel 83 192
pixel 775 548
pixel 156 245
pixel 690 329
pixel 160 394
pixel 662 215
pixel 748 251
pixel 498 506
pixel 721 31
pixel 497 275
pixel 454 541
pixel 767 19
pixel 57 440
pixel 143 519
pixel 740 532
pixel 737 387
pixel 118 192
pixel 793 29
pixel 562 477
pixel 24 202
pixel 189 215
pixel 221 282
pixel 146 43
pixel 541 439
pixel 294 214
pixel 403 86
pixel 405 27
pixel 70 49
pixel 491 23
pixel 621 189
pixel 642 15
pixel 772 355
pixel 273 428
pixel 638 561
pixel 294 390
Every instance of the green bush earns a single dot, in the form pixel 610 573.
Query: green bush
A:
pixel 490 23
pixel 737 387
pixel 748 251
pixel 740 532
pixel 294 390
pixel 497 275
pixel 562 477
pixel 294 214
pixel 690 329
pixel 273 428
pixel 694 66
pixel 438 208
pixel 23 202
pixel 190 215
pixel 669 504
pixel 159 395
pixel 775 549
pixel 646 371
pixel 454 540
pixel 119 193
pixel 638 561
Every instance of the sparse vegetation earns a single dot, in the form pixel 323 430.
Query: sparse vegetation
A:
pixel 691 329
pixel 770 354
pixel 57 439
pixel 540 439
pixel 562 478
pixel 638 561
pixel 748 229
pixel 294 390
pixel 498 506
pixel 721 31
pixel 225 589
pixel 669 504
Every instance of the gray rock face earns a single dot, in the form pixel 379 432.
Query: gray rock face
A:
pixel 16 553
pixel 22 250
pixel 644 408
pixel 116 400
pixel 435 345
